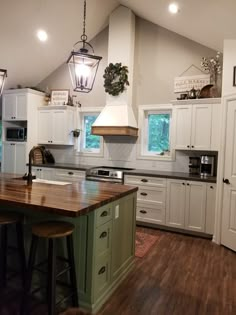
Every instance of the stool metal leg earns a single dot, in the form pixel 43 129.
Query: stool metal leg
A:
pixel 70 249
pixel 51 277
pixel 21 250
pixel 24 305
pixel 3 257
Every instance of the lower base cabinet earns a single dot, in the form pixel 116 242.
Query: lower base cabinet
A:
pixel 186 205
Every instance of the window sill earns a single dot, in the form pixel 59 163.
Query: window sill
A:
pixel 169 158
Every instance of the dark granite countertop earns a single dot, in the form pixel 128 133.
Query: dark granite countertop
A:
pixel 175 175
pixel 69 166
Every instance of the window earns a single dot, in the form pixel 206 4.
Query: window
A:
pixel 155 128
pixel 90 144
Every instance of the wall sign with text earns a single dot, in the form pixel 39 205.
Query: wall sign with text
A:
pixel 184 84
pixel 59 97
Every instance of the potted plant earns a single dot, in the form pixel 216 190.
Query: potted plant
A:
pixel 76 133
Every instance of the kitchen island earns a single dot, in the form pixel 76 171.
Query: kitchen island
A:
pixel 104 218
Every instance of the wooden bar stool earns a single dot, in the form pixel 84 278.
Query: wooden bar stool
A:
pixel 6 220
pixel 51 231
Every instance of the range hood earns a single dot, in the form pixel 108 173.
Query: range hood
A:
pixel 117 117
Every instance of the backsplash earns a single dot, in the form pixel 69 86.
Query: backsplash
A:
pixel 121 152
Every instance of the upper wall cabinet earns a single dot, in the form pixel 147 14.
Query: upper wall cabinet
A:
pixel 197 124
pixel 55 125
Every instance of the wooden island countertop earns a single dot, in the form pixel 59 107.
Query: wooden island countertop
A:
pixel 71 200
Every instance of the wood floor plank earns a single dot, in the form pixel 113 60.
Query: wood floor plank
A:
pixel 179 275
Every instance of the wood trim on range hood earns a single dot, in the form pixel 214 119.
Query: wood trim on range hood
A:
pixel 115 131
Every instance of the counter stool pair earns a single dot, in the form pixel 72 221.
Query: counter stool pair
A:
pixel 51 231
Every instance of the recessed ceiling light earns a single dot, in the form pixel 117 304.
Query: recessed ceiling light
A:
pixel 173 8
pixel 42 35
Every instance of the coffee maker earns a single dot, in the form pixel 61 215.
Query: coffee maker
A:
pixel 207 165
pixel 194 165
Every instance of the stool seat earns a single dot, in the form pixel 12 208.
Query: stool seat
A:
pixel 9 217
pixel 52 229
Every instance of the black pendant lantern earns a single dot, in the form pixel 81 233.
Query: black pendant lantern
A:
pixel 3 75
pixel 83 65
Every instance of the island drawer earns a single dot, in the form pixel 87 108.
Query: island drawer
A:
pixel 103 215
pixel 102 275
pixel 145 181
pixel 103 238
pixel 69 175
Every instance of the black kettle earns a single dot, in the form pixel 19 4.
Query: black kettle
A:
pixel 192 93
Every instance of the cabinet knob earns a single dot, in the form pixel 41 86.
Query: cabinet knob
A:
pixel 103 234
pixel 144 180
pixel 187 184
pixel 188 146
pixel 102 270
pixel 192 146
pixel 211 187
pixel 183 183
pixel 143 211
pixel 104 214
pixel 143 194
pixel 226 181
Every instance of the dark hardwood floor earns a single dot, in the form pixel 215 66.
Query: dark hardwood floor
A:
pixel 180 275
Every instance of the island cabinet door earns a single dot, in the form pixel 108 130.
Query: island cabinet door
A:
pixel 123 234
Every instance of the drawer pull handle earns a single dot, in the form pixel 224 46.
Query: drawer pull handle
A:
pixel 144 180
pixel 104 214
pixel 143 194
pixel 143 211
pixel 103 235
pixel 70 173
pixel 102 270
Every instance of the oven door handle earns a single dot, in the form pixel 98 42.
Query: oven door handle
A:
pixel 101 179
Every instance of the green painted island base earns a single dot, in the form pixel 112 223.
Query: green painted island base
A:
pixel 104 247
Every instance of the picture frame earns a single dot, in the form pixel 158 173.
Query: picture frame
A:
pixel 234 76
pixel 60 97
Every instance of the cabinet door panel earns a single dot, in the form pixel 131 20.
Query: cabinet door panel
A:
pixel 9 107
pixel 44 126
pixel 175 206
pixel 195 209
pixel 8 158
pixel 183 127
pixel 150 214
pixel 201 127
pixel 58 124
pixel 21 107
pixel 20 160
pixel 210 208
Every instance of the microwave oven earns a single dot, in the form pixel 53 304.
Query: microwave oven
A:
pixel 16 134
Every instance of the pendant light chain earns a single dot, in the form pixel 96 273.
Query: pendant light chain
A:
pixel 84 36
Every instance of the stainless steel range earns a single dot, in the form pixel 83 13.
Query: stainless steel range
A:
pixel 107 174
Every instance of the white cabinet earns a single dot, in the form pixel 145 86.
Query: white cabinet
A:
pixel 193 127
pixel 55 125
pixel 210 208
pixel 151 198
pixel 186 204
pixel 69 175
pixel 19 110
pixel 14 157
pixel 43 172
pixel 14 106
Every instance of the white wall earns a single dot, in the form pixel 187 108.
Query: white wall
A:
pixel 229 61
pixel 160 55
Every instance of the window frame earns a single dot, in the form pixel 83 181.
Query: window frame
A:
pixel 144 110
pixel 81 145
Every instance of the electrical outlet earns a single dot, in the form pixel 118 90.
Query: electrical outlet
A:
pixel 117 211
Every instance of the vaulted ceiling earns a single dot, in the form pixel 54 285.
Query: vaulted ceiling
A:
pixel 28 61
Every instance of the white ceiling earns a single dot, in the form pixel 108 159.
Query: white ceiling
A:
pixel 28 61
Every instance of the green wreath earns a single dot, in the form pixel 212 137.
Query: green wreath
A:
pixel 116 77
